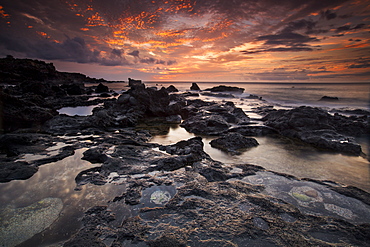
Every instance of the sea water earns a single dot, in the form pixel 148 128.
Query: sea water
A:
pixel 56 180
pixel 281 154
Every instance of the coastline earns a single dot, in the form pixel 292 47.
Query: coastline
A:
pixel 178 182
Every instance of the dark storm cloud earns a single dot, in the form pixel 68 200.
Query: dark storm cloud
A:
pixel 134 53
pixel 360 64
pixel 328 14
pixel 100 18
pixel 345 28
pixel 151 60
pixel 278 49
pixel 289 39
pixel 307 25
pixel 171 62
pixel 117 52
pixel 284 42
pixel 72 50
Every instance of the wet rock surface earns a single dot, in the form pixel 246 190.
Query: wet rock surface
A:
pixel 317 127
pixel 177 195
pixel 20 224
pixel 329 98
pixel 16 171
pixel 194 87
pixel 184 198
pixel 212 118
pixel 223 88
pixel 233 143
pixel 236 212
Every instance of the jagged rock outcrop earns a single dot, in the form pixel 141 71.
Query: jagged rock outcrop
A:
pixel 194 87
pixel 317 127
pixel 23 112
pixel 233 143
pixel 212 119
pixel 101 88
pixel 223 88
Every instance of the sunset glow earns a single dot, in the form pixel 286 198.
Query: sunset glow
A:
pixel 193 40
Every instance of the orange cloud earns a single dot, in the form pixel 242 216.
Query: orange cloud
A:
pixel 43 34
pixel 361 45
pixel 2 13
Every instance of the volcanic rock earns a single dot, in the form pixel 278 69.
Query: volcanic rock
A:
pixel 317 127
pixel 194 87
pixel 19 170
pixel 223 88
pixel 233 143
pixel 210 118
pixel 101 88
pixel 329 98
pixel 172 89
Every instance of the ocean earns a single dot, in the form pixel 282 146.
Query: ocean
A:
pixel 350 95
pixel 277 154
pixel 281 154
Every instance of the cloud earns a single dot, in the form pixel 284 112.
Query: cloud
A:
pixel 289 39
pixel 346 28
pixel 151 60
pixel 299 25
pixel 279 74
pixel 71 50
pixel 328 14
pixel 360 64
pixel 144 34
pixel 117 52
pixel 283 42
pixel 134 53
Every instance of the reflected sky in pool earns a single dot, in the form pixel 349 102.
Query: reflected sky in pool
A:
pixel 283 155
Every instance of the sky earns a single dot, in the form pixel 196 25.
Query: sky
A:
pixel 193 40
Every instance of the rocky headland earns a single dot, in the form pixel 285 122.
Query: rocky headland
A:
pixel 177 194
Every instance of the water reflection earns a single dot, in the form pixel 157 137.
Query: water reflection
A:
pixel 283 155
pixel 79 110
pixel 57 180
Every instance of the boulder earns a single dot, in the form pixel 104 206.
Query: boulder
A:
pixel 172 89
pixel 23 113
pixel 123 98
pixel 133 82
pixel 233 143
pixel 191 146
pixel 16 171
pixel 173 119
pixel 318 128
pixel 94 155
pixel 211 118
pixel 101 88
pixel 206 124
pixel 223 88
pixel 194 87
pixel 329 98
pixel 151 102
pixel 328 139
pixel 74 88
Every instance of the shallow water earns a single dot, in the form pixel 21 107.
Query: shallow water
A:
pixel 285 156
pixel 57 180
pixel 79 110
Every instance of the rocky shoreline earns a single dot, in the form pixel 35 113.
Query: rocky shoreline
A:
pixel 179 195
